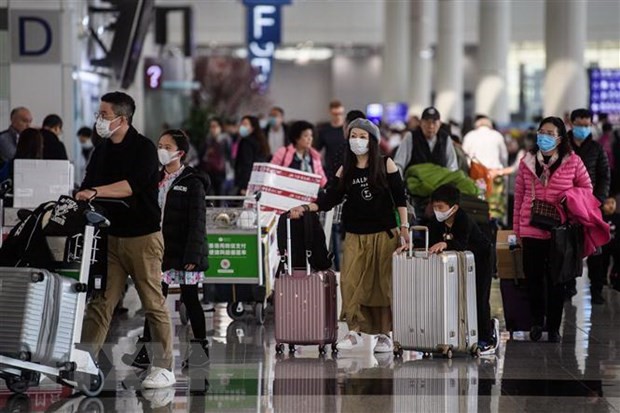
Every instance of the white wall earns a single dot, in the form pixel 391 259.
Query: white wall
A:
pixel 357 81
pixel 335 22
pixel 303 91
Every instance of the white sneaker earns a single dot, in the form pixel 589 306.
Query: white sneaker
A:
pixel 496 334
pixel 159 378
pixel 384 344
pixel 159 397
pixel 350 341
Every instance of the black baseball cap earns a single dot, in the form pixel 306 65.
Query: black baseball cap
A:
pixel 431 113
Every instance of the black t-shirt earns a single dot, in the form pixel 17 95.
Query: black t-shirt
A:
pixel 366 210
pixel 332 139
pixel 134 160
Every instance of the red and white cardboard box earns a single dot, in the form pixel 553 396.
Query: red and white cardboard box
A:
pixel 282 188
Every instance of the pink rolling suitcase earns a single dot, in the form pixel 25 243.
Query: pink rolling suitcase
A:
pixel 305 306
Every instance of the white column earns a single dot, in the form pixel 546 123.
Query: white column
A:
pixel 396 52
pixel 494 30
pixel 449 61
pixel 421 30
pixel 565 42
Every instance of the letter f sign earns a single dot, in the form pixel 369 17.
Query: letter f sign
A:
pixel 260 20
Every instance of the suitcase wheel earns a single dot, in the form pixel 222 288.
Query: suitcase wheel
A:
pixel 475 351
pixel 17 384
pixel 94 385
pixel 235 310
pixel 291 348
pixel 279 348
pixel 334 348
pixel 183 314
pixel 259 313
pixel 398 350
pixel 448 354
pixel 322 350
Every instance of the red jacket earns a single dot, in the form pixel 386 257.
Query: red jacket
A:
pixel 570 174
pixel 284 157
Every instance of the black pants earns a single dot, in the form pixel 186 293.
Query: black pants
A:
pixel 546 299
pixel 189 296
pixel 483 295
pixel 597 272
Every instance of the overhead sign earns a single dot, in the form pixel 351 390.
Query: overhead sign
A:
pixel 605 90
pixel 264 25
pixel 36 36
pixel 267 2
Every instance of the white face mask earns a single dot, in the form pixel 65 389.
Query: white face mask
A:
pixel 359 146
pixel 166 157
pixel 103 127
pixel 442 216
pixel 86 145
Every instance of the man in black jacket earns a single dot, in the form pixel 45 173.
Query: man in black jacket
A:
pixel 594 158
pixel 125 166
pixel 51 130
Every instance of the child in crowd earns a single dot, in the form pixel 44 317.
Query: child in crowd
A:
pixel 612 250
pixel 451 229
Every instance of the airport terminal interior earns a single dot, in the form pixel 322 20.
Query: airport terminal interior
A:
pixel 214 74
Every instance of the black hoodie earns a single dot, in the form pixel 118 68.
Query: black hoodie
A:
pixel 184 222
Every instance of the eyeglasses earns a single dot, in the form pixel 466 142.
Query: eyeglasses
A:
pixel 546 132
pixel 99 115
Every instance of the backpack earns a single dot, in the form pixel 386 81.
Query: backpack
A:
pixel 26 245
pixel 306 234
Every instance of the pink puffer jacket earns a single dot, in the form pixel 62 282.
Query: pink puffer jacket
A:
pixel 284 157
pixel 570 174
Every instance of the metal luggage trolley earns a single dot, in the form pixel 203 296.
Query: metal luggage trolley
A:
pixel 243 255
pixel 78 369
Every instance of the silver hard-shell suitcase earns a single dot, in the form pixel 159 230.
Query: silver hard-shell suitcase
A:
pixel 38 312
pixel 437 386
pixel 434 301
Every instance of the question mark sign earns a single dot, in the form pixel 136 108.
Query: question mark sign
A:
pixel 154 72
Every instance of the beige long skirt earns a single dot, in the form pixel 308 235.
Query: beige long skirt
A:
pixel 366 281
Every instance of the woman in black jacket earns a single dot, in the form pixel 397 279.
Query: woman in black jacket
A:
pixel 253 147
pixel 182 193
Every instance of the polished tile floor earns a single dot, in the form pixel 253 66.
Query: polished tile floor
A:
pixel 582 374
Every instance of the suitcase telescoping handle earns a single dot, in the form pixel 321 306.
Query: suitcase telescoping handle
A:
pixel 289 259
pixel 420 228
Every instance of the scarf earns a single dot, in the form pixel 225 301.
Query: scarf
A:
pixel 305 162
pixel 544 177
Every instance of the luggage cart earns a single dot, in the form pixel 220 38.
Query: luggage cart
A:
pixel 243 256
pixel 79 371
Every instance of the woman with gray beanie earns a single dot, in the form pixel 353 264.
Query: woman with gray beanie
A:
pixel 373 189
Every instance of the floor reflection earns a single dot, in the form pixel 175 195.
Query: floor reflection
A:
pixel 581 374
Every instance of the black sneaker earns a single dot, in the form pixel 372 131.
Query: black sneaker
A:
pixel 197 355
pixel 140 358
pixel 554 337
pixel 597 299
pixel 536 333
pixel 569 293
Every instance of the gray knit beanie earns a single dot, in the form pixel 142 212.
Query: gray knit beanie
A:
pixel 366 125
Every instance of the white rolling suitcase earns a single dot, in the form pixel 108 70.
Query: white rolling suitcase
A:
pixel 436 386
pixel 41 324
pixel 434 302
pixel 38 310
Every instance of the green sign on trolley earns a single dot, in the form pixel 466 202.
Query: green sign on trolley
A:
pixel 232 256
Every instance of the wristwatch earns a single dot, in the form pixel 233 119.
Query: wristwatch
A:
pixel 405 225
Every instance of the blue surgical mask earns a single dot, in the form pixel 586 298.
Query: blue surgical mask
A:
pixel 581 132
pixel 244 131
pixel 272 121
pixel 546 143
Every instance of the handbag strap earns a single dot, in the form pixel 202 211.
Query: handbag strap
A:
pixel 533 191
